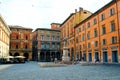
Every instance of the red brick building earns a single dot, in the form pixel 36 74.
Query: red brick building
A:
pixel 21 42
pixel 55 26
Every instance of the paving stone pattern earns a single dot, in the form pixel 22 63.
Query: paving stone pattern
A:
pixel 32 71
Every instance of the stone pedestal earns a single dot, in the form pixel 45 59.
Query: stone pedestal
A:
pixel 65 57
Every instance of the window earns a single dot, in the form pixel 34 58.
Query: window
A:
pixel 112 26
pixel 48 37
pixel 26 46
pixel 53 38
pixel 16 36
pixel 83 46
pixel 96 43
pixel 53 45
pixel 83 28
pixel 102 17
pixel 16 46
pixel 58 38
pixel 103 29
pixel 104 42
pixel 83 37
pixel 48 45
pixel 80 47
pixel 76 39
pixel 89 45
pixel 58 45
pixel 111 12
pixel 95 33
pixel 88 24
pixel 114 40
pixel 42 45
pixel 88 35
pixel 42 37
pixel 80 38
pixel 26 37
pixel 79 29
pixel 94 21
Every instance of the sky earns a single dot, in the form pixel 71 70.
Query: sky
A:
pixel 41 13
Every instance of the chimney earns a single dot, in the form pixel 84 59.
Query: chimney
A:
pixel 80 9
pixel 75 10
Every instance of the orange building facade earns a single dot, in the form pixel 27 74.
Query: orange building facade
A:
pixel 21 42
pixel 98 36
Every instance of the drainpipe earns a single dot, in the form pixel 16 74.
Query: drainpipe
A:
pixel 99 37
pixel 118 24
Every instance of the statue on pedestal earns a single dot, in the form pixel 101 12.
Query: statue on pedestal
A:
pixel 65 57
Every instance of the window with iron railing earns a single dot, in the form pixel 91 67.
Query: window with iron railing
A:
pixel 94 21
pixel 114 39
pixel 102 17
pixel 104 42
pixel 103 29
pixel 112 26
pixel 111 12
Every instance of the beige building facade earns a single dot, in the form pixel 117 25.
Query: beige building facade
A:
pixel 46 45
pixel 4 38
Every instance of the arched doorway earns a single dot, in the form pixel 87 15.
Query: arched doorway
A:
pixel 48 59
pixel 16 60
pixel 53 56
pixel 42 56
pixel 72 54
pixel 26 55
pixel 58 56
pixel 16 54
pixel 10 54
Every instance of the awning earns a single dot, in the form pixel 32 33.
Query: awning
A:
pixel 19 57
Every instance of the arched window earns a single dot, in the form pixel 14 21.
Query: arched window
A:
pixel 26 46
pixel 26 37
pixel 16 46
pixel 16 36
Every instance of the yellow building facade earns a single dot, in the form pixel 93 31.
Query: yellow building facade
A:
pixel 4 38
pixel 67 29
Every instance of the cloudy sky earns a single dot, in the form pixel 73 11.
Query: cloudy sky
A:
pixel 41 13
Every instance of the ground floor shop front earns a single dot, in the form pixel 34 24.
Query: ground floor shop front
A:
pixel 48 56
pixel 109 54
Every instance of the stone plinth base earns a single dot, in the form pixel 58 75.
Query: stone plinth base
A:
pixel 65 57
pixel 51 65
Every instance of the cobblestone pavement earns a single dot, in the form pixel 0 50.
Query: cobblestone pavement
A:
pixel 5 66
pixel 32 71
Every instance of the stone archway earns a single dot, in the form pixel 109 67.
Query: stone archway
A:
pixel 48 59
pixel 16 59
pixel 16 54
pixel 58 55
pixel 72 54
pixel 42 56
pixel 26 55
pixel 10 54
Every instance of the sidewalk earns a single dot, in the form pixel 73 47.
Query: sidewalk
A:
pixel 4 66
